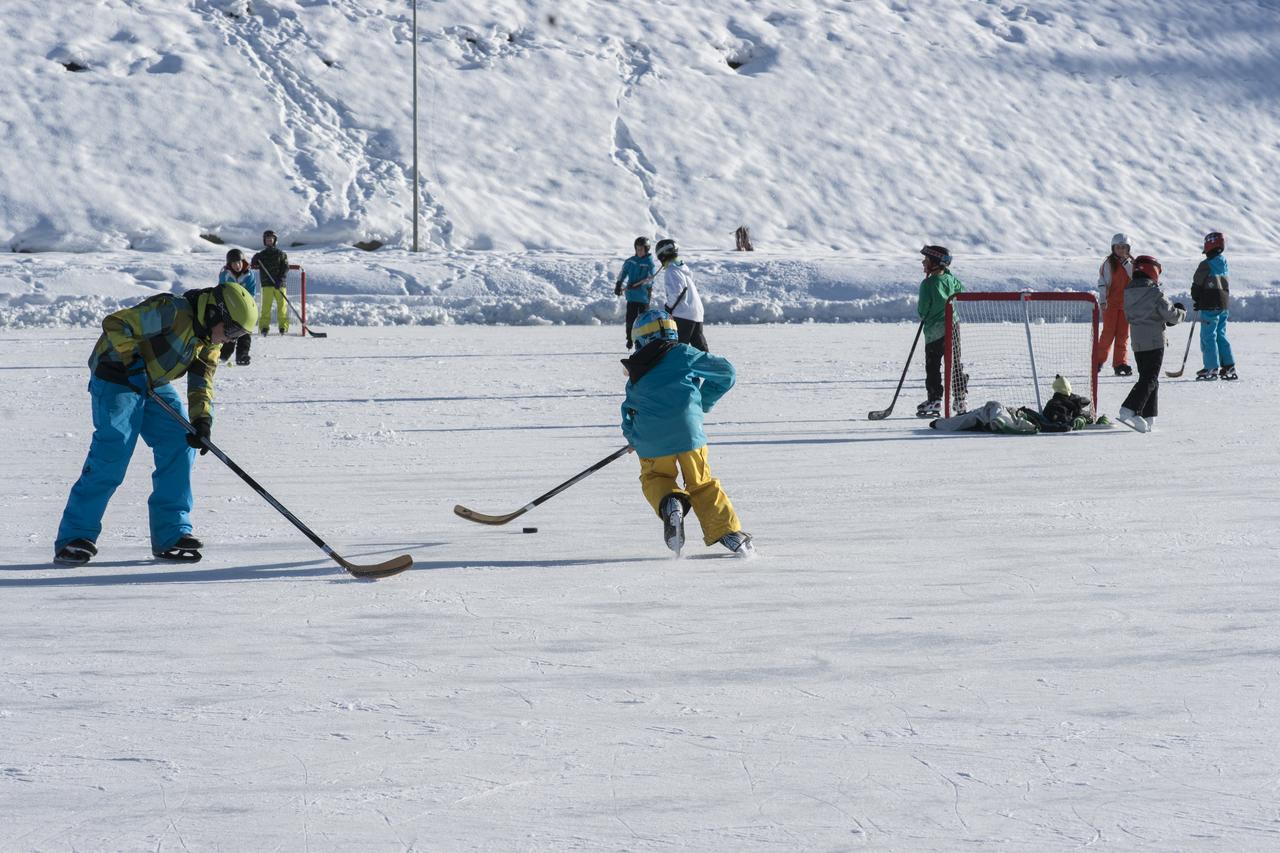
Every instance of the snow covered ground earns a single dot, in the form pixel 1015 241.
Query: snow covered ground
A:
pixel 947 642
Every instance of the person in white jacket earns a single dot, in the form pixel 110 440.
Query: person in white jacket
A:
pixel 1113 278
pixel 680 294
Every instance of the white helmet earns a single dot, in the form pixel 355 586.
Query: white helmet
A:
pixel 1120 240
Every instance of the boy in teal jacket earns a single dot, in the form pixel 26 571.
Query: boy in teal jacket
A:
pixel 671 386
pixel 636 281
pixel 939 285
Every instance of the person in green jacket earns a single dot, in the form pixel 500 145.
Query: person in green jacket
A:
pixel 140 353
pixel 939 285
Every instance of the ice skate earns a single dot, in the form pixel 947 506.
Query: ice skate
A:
pixel 185 550
pixel 1228 373
pixel 673 523
pixel 242 360
pixel 77 552
pixel 1123 370
pixel 1132 420
pixel 929 409
pixel 739 542
pixel 1206 375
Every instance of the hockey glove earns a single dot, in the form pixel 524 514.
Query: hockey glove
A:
pixel 197 439
pixel 1179 305
pixel 136 376
pixel 617 289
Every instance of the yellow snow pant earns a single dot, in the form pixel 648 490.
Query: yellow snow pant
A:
pixel 702 492
pixel 273 295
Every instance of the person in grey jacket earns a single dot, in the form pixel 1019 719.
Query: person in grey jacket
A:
pixel 1149 313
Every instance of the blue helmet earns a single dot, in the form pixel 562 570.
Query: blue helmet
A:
pixel 653 325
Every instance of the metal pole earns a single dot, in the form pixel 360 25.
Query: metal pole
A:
pixel 415 125
pixel 1031 351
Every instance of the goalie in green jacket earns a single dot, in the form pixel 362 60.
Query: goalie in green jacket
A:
pixel 143 349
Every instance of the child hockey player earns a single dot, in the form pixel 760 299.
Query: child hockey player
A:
pixel 1113 278
pixel 273 263
pixel 682 300
pixel 1211 296
pixel 141 348
pixel 237 270
pixel 938 286
pixel 636 281
pixel 1149 313
pixel 671 385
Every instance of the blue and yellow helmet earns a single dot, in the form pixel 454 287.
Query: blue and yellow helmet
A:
pixel 653 325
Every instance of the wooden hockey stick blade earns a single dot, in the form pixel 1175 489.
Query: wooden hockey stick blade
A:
pixel 480 518
pixel 386 569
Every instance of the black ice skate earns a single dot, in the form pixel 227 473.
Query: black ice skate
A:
pixel 1228 373
pixel 242 360
pixel 77 552
pixel 673 523
pixel 1206 375
pixel 1123 370
pixel 185 550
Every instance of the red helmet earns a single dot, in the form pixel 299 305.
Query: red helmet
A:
pixel 1214 242
pixel 1147 266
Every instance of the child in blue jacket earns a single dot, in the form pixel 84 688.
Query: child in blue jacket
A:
pixel 636 281
pixel 1211 296
pixel 237 270
pixel 671 386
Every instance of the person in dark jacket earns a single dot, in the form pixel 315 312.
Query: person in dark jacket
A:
pixel 671 386
pixel 237 269
pixel 1149 313
pixel 1211 296
pixel 273 263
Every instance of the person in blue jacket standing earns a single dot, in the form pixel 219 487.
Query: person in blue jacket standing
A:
pixel 671 386
pixel 237 271
pixel 1211 296
pixel 636 281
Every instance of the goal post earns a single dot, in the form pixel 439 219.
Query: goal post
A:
pixel 1010 346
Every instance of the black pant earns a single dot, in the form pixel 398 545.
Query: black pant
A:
pixel 691 333
pixel 1143 398
pixel 239 347
pixel 933 353
pixel 634 310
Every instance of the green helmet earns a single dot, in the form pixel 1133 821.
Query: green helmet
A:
pixel 229 303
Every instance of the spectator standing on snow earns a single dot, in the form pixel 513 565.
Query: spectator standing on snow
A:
pixel 682 301
pixel 1149 313
pixel 1211 296
pixel 273 263
pixel 671 386
pixel 938 286
pixel 144 349
pixel 237 270
pixel 636 281
pixel 1113 278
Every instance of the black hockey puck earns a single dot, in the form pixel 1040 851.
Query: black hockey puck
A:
pixel 529 530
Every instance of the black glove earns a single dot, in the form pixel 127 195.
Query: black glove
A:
pixel 617 289
pixel 1179 305
pixel 197 439
pixel 136 376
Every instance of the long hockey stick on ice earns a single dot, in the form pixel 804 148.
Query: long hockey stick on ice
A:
pixel 480 518
pixel 881 414
pixel 1174 374
pixel 379 570
pixel 306 330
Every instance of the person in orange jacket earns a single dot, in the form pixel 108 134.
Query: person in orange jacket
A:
pixel 1113 278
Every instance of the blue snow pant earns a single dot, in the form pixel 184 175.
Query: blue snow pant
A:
pixel 1214 345
pixel 120 415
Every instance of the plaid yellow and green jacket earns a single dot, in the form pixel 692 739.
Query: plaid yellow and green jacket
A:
pixel 164 333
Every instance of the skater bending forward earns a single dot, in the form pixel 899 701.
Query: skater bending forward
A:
pixel 671 386
pixel 142 349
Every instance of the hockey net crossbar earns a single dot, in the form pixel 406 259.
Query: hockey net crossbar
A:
pixel 1009 346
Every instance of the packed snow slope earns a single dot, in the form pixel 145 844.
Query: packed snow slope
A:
pixel 824 126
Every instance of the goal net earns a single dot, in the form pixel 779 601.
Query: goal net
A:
pixel 1010 346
